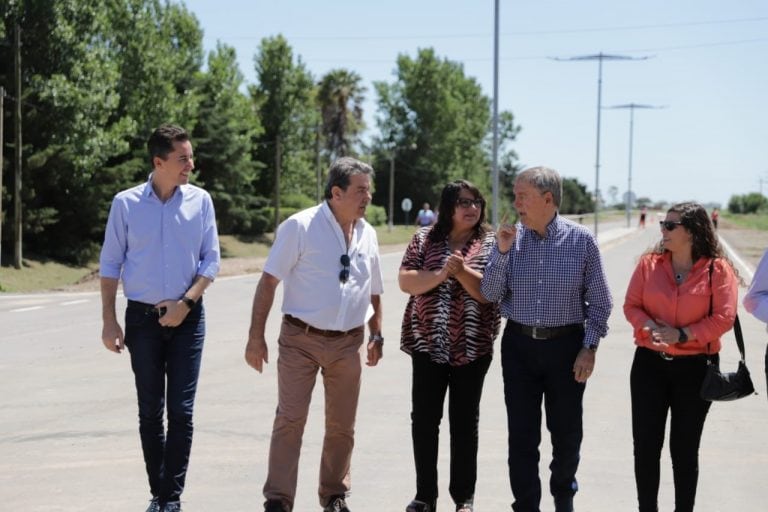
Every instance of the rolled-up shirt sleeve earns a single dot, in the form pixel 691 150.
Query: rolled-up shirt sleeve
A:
pixel 115 243
pixel 210 253
pixel 756 299
pixel 597 296
pixel 493 286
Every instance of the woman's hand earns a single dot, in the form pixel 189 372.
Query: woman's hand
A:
pixel 665 335
pixel 454 264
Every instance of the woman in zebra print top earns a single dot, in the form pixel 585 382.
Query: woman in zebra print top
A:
pixel 448 329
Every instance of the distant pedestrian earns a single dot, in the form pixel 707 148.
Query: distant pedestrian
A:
pixel 327 300
pixel 643 215
pixel 681 298
pixel 161 241
pixel 548 275
pixel 715 217
pixel 448 330
pixel 425 217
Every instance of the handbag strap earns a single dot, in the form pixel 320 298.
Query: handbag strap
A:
pixel 736 323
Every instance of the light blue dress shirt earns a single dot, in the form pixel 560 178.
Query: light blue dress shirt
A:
pixel 756 299
pixel 157 248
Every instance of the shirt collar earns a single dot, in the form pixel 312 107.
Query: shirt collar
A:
pixel 150 192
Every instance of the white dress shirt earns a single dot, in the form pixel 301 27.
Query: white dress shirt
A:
pixel 306 256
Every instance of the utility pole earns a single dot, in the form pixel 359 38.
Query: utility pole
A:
pixel 495 164
pixel 2 145
pixel 391 190
pixel 600 57
pixel 631 107
pixel 17 122
pixel 277 183
pixel 318 195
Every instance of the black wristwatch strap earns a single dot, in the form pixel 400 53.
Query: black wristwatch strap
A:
pixel 189 302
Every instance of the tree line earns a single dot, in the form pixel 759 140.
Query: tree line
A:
pixel 98 76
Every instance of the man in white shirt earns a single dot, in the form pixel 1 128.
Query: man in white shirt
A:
pixel 328 257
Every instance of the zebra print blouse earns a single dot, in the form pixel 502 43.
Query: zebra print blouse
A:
pixel 446 322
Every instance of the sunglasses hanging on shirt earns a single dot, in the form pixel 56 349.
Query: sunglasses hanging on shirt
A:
pixel 344 274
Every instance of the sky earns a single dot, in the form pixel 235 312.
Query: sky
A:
pixel 707 66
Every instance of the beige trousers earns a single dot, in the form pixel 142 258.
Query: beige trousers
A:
pixel 300 356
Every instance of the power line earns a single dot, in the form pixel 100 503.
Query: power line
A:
pixel 618 28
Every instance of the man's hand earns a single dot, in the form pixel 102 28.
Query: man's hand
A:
pixel 505 235
pixel 256 352
pixel 375 353
pixel 584 365
pixel 175 312
pixel 112 336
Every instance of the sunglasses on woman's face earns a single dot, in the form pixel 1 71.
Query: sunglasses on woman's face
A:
pixel 466 203
pixel 669 225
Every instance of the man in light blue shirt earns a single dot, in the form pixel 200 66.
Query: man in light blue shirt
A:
pixel 161 241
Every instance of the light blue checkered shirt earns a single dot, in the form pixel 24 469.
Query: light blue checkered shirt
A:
pixel 552 281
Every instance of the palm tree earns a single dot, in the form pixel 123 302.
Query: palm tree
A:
pixel 340 98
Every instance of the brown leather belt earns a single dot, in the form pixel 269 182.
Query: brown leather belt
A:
pixel 545 333
pixel 321 332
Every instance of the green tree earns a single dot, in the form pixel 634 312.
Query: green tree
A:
pixel 223 139
pixel 340 97
pixel 285 103
pixel 576 198
pixel 435 120
pixel 69 129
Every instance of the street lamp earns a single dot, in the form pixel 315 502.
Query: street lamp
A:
pixel 600 57
pixel 631 107
pixel 392 184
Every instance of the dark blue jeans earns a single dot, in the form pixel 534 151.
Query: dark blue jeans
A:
pixel 166 364
pixel 536 369
pixel 430 382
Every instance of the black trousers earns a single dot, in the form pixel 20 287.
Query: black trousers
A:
pixel 536 370
pixel 659 386
pixel 430 382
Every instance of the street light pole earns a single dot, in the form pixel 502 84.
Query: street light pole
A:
pixel 495 169
pixel 631 107
pixel 391 190
pixel 600 57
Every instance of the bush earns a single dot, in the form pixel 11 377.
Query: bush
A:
pixel 376 215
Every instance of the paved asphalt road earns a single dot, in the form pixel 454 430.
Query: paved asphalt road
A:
pixel 69 441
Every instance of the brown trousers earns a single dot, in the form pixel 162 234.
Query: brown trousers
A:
pixel 300 356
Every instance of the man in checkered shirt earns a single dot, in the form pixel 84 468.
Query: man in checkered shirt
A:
pixel 547 273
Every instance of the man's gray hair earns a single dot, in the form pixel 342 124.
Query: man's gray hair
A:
pixel 544 180
pixel 341 170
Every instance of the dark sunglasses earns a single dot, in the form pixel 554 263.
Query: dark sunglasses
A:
pixel 669 225
pixel 344 274
pixel 466 203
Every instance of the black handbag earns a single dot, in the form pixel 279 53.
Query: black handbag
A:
pixel 719 386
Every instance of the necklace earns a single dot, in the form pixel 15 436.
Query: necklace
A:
pixel 679 278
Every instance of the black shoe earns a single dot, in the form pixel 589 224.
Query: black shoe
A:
pixel 274 506
pixel 420 506
pixel 154 506
pixel 337 503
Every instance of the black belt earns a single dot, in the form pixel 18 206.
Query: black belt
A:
pixel 674 357
pixel 148 309
pixel 328 333
pixel 545 333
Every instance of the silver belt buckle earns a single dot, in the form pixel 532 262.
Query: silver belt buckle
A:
pixel 534 334
pixel 666 356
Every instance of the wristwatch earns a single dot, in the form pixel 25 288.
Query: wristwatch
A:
pixel 683 336
pixel 591 348
pixel 189 302
pixel 377 338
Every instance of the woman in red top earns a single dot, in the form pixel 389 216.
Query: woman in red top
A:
pixel 448 329
pixel 682 297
